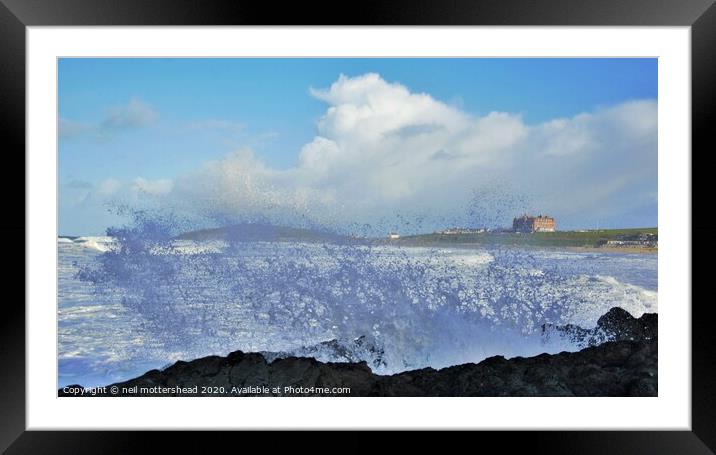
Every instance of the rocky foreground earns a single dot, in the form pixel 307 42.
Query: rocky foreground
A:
pixel 626 366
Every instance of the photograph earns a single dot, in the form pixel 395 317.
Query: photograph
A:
pixel 417 216
pixel 357 227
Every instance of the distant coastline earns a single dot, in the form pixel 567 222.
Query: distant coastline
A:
pixel 574 249
pixel 597 241
pixel 611 249
pixel 602 241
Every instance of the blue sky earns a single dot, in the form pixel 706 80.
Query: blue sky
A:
pixel 155 123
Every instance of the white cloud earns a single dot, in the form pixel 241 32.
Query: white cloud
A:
pixel 135 114
pixel 77 184
pixel 117 192
pixel 319 154
pixel 382 150
pixel 70 128
pixel 109 187
pixel 152 187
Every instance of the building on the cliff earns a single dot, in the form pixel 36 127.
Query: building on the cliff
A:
pixel 393 236
pixel 540 223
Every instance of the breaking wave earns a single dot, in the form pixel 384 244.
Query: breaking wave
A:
pixel 146 297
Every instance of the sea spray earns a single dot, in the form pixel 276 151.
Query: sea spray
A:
pixel 417 306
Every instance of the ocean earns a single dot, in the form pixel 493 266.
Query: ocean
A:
pixel 127 308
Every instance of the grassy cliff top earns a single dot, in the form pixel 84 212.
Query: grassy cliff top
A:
pixel 587 238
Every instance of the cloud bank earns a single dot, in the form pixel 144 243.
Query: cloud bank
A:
pixel 381 150
pixel 134 114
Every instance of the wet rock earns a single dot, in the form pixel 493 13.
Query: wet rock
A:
pixel 615 325
pixel 353 351
pixel 618 324
pixel 626 366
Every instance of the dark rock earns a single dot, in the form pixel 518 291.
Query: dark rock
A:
pixel 615 325
pixel 354 351
pixel 618 324
pixel 626 366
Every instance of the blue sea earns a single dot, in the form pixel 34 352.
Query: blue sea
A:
pixel 123 310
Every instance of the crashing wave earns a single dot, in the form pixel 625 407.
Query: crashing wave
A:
pixel 416 306
pixel 358 350
pixel 97 243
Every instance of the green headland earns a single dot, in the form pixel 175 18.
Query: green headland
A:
pixel 642 239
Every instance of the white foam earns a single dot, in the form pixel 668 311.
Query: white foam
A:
pixel 422 307
pixel 98 243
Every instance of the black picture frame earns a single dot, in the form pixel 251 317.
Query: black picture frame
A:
pixel 16 15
